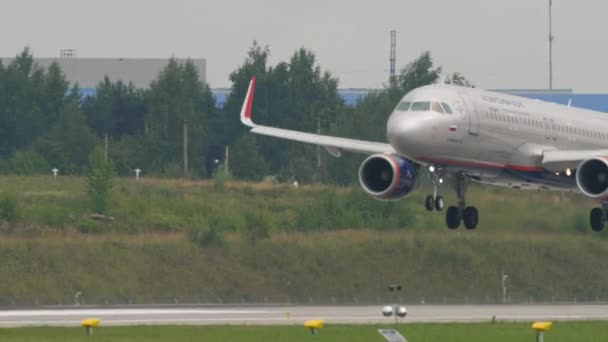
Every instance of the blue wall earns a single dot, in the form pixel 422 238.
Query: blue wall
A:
pixel 597 102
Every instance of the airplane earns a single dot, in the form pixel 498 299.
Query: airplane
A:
pixel 473 135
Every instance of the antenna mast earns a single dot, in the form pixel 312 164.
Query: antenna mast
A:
pixel 551 38
pixel 393 57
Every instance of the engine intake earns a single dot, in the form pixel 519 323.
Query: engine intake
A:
pixel 592 177
pixel 388 177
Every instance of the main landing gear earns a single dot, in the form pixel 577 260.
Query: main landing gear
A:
pixel 454 214
pixel 598 217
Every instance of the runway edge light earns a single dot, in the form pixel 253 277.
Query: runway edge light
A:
pixel 541 328
pixel 314 325
pixel 89 324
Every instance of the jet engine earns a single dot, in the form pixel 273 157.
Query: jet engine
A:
pixel 388 177
pixel 592 177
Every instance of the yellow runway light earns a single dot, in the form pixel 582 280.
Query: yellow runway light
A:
pixel 89 324
pixel 314 325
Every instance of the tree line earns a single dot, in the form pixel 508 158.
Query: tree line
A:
pixel 173 128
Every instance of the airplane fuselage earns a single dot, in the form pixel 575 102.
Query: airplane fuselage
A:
pixel 493 137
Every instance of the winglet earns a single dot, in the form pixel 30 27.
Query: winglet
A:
pixel 248 105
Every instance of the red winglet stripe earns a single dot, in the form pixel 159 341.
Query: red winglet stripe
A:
pixel 250 98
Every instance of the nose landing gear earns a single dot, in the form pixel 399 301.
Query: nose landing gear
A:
pixel 434 201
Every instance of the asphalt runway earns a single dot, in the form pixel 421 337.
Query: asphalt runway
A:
pixel 283 315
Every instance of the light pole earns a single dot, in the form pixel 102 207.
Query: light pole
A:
pixel 504 287
pixel 393 288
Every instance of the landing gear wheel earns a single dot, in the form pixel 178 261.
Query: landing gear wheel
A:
pixel 596 218
pixel 452 217
pixel 429 203
pixel 439 203
pixel 470 216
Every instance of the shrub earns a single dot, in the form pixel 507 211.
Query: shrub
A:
pixel 206 237
pixel 220 178
pixel 99 182
pixel 256 226
pixel 10 209
pixel 28 162
pixel 87 226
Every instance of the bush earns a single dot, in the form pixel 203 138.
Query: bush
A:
pixel 99 182
pixel 256 226
pixel 10 209
pixel 88 226
pixel 28 162
pixel 207 237
pixel 220 178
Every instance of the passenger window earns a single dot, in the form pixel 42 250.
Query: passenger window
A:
pixel 421 106
pixel 403 106
pixel 437 107
pixel 446 108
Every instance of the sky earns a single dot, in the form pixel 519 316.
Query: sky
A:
pixel 496 44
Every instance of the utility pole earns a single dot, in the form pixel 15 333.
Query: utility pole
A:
pixel 185 147
pixel 393 55
pixel 504 278
pixel 318 147
pixel 106 139
pixel 226 158
pixel 551 38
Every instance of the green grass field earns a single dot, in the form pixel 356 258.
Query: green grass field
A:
pixel 195 241
pixel 486 332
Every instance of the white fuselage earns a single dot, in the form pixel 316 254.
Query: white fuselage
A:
pixel 492 137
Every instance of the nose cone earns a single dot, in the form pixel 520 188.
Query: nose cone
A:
pixel 403 128
pixel 407 134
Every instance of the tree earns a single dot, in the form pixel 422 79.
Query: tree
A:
pixel 99 181
pixel 30 102
pixel 180 103
pixel 418 73
pixel 296 95
pixel 116 109
pixel 69 142
pixel 459 79
pixel 246 162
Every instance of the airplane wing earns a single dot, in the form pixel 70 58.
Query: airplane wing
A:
pixel 333 144
pixel 558 161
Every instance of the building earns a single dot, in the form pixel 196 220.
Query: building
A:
pixel 88 72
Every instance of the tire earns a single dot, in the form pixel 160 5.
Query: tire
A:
pixel 439 203
pixel 429 203
pixel 452 218
pixel 470 217
pixel 596 219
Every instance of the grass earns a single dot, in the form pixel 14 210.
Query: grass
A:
pixel 188 241
pixel 162 205
pixel 300 267
pixel 499 332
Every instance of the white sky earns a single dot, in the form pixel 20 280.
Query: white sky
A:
pixel 496 44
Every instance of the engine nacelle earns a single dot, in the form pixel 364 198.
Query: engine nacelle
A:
pixel 388 177
pixel 592 177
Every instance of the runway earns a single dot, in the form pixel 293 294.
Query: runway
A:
pixel 284 315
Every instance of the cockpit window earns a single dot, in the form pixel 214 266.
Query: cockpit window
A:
pixel 436 107
pixel 404 106
pixel 446 108
pixel 421 106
